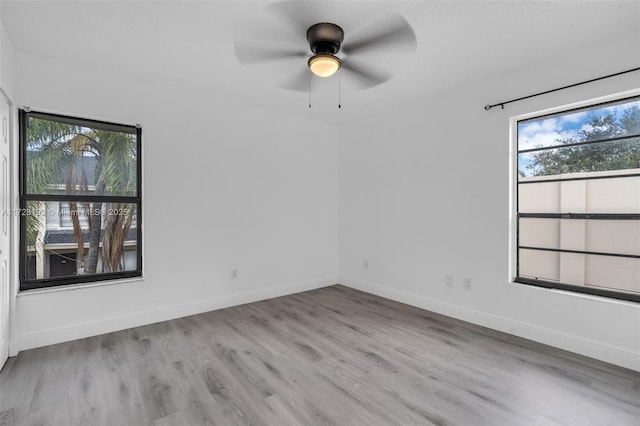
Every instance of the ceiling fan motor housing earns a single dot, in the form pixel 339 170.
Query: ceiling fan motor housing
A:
pixel 325 38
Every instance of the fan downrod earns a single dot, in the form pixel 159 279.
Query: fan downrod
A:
pixel 325 37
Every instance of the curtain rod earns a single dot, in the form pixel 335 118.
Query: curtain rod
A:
pixel 502 104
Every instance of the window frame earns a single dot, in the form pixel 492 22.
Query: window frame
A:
pixel 515 214
pixel 23 116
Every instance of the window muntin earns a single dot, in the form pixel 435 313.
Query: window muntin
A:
pixel 578 200
pixel 80 200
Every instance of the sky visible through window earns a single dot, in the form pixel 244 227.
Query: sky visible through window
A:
pixel 567 128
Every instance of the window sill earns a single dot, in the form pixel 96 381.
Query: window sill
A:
pixel 627 299
pixel 80 286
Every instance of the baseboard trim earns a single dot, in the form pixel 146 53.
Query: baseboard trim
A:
pixel 80 331
pixel 14 347
pixel 548 337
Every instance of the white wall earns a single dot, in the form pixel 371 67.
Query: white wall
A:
pixel 7 60
pixel 425 193
pixel 225 186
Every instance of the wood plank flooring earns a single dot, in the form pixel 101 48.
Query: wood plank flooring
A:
pixel 332 356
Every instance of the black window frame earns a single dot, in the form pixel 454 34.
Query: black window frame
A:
pixel 25 284
pixel 595 291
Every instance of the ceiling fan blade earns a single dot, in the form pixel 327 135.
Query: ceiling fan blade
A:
pixel 299 82
pixel 395 34
pixel 364 75
pixel 249 53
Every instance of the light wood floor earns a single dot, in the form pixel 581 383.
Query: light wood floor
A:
pixel 329 356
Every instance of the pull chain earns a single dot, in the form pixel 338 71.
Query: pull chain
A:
pixel 309 90
pixel 339 89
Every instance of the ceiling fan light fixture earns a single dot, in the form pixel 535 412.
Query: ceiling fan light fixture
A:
pixel 324 64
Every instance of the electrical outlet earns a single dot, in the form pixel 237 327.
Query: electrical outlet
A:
pixel 466 284
pixel 365 264
pixel 448 280
pixel 235 274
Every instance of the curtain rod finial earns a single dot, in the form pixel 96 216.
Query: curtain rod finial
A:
pixel 487 107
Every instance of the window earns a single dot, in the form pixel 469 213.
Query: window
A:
pixel 67 211
pixel 80 204
pixel 578 200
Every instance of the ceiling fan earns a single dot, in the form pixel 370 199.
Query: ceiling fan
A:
pixel 329 48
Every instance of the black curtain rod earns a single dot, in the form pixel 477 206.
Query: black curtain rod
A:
pixel 502 104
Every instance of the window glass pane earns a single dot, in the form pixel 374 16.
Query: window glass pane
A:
pixel 92 239
pixel 598 236
pixel 35 217
pixel 30 267
pixel 63 158
pixel 615 195
pixel 611 195
pixel 581 270
pixel 539 197
pixel 539 264
pixel 572 268
pixel 616 155
pixel 616 273
pixel 589 124
pixel 613 236
pixel 536 232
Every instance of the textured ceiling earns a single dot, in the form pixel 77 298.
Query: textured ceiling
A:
pixel 191 43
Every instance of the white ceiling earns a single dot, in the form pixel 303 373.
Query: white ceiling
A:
pixel 192 43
